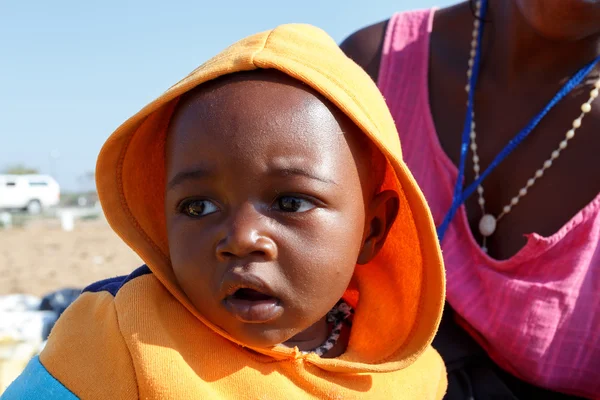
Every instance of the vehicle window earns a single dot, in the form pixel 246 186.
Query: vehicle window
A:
pixel 38 183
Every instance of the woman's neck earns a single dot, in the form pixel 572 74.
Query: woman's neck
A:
pixel 514 53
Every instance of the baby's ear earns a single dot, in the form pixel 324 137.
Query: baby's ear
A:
pixel 381 215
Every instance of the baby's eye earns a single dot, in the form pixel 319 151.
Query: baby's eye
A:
pixel 293 204
pixel 198 208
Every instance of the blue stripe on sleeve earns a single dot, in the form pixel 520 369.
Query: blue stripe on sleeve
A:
pixel 113 285
pixel 36 383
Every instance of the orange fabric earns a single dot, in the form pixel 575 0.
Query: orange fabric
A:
pixel 398 297
pixel 87 351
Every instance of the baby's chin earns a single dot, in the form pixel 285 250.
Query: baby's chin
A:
pixel 261 336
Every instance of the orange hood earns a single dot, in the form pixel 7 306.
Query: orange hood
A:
pixel 398 297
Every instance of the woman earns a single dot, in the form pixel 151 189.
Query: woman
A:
pixel 522 251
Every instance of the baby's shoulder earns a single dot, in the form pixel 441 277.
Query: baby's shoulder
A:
pixel 114 285
pixel 87 350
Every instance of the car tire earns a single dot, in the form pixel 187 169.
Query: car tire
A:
pixel 34 207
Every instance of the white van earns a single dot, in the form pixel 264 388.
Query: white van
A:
pixel 32 193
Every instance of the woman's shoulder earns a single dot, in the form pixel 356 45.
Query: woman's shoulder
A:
pixel 367 45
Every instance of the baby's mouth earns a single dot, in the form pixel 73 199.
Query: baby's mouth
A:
pixel 252 306
pixel 250 295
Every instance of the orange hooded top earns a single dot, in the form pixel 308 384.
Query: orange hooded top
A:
pixel 140 337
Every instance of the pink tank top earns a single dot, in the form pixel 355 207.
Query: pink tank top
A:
pixel 537 314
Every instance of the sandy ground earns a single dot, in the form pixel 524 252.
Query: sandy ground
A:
pixel 40 258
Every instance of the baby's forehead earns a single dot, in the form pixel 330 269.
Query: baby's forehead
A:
pixel 272 117
pixel 257 102
pixel 264 84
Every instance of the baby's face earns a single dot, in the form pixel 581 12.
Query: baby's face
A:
pixel 264 205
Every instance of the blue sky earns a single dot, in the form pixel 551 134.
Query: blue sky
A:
pixel 72 71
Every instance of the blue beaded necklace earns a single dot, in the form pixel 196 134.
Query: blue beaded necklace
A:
pixel 460 195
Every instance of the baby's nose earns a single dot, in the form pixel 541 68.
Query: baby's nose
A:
pixel 246 236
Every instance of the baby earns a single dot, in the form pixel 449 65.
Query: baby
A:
pixel 289 252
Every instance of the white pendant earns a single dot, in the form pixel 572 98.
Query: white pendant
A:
pixel 487 225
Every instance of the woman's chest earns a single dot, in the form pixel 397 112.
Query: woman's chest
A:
pixel 568 184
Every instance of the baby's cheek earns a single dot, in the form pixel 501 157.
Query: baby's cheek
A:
pixel 331 246
pixel 189 258
pixel 322 269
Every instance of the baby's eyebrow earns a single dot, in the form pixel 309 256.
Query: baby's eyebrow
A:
pixel 183 176
pixel 200 173
pixel 289 171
